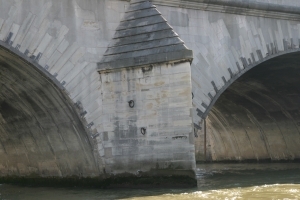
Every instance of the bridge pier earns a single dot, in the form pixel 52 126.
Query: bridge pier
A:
pixel 155 130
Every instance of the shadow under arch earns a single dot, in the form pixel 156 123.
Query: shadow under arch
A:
pixel 256 115
pixel 41 133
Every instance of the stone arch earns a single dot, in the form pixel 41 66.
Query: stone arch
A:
pixel 234 77
pixel 41 132
pixel 256 116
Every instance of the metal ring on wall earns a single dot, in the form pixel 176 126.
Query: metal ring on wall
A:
pixel 131 103
pixel 143 131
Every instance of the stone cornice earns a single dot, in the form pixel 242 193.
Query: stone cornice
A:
pixel 240 7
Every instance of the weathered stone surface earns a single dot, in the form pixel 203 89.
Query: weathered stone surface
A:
pixel 159 106
pixel 152 65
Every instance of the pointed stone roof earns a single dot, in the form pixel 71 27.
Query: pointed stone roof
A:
pixel 143 37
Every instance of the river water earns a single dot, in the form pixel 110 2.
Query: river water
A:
pixel 215 181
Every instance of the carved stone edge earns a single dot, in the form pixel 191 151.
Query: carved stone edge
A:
pixel 250 7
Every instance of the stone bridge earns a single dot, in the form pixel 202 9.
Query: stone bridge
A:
pixel 98 87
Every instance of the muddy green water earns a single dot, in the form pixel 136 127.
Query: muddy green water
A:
pixel 215 181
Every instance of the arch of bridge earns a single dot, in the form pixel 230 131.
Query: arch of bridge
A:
pixel 40 130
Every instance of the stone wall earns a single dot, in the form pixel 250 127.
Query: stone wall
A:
pixel 63 41
pixel 162 104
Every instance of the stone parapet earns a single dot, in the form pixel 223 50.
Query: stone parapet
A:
pixel 288 10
